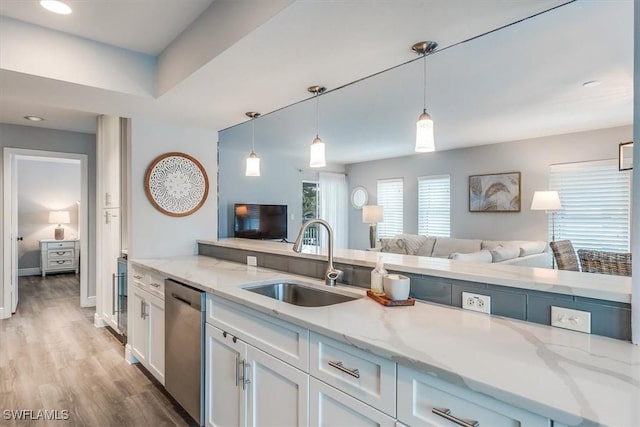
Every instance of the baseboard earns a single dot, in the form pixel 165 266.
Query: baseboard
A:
pixel 33 271
pixel 4 313
pixel 88 302
pixel 98 321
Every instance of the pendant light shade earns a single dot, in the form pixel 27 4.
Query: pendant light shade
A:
pixel 425 141
pixel 317 157
pixel 253 161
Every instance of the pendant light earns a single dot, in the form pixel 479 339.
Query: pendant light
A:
pixel 424 127
pixel 317 158
pixel 253 161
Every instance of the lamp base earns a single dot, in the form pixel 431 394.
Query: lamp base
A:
pixel 59 234
pixel 372 235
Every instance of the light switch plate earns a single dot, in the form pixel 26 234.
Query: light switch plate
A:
pixel 476 302
pixel 568 318
pixel 252 261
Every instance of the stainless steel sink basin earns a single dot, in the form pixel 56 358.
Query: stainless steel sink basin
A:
pixel 298 294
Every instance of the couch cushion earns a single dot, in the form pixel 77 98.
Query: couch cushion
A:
pixel 480 256
pixel 504 253
pixel 445 246
pixel 531 248
pixel 493 244
pixel 413 242
pixel 427 247
pixel 394 246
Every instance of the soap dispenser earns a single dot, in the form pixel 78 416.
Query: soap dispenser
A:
pixel 376 277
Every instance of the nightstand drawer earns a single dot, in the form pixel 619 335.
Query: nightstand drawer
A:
pixel 61 263
pixel 365 376
pixel 57 254
pixel 58 245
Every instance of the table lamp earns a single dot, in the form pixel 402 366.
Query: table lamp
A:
pixel 372 215
pixel 59 217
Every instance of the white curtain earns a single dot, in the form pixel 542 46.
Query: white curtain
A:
pixel 334 202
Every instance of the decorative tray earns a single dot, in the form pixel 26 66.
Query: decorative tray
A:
pixel 384 300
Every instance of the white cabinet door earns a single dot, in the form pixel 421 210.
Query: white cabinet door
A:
pixel 331 407
pixel 109 253
pixel 155 318
pixel 225 403
pixel 278 392
pixel 138 336
pixel 109 161
pixel 428 401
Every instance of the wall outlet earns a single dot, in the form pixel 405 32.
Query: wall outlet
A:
pixel 252 261
pixel 476 302
pixel 567 318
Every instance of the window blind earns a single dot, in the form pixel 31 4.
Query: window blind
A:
pixel 595 199
pixel 390 196
pixel 434 205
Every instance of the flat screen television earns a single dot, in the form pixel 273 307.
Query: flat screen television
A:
pixel 252 221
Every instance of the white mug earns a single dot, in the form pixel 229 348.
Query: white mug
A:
pixel 396 286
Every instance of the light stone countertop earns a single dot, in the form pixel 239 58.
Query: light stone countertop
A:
pixel 589 285
pixel 570 377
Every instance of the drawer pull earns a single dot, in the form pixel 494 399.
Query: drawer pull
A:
pixel 137 276
pixel 60 262
pixel 60 252
pixel 340 366
pixel 446 413
pixel 155 285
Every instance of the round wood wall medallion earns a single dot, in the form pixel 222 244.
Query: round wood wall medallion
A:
pixel 176 184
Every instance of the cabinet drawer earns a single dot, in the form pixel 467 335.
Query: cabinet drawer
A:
pixel 156 285
pixel 61 253
pixel 276 337
pixel 137 276
pixel 60 263
pixel 419 394
pixel 57 245
pixel 365 376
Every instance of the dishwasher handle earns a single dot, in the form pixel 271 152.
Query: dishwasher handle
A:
pixel 179 298
pixel 183 293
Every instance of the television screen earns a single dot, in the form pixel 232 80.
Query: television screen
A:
pixel 252 221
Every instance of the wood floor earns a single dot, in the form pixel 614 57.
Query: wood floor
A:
pixel 53 358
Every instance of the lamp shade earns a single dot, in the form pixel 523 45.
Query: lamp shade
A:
pixel 253 165
pixel 546 201
pixel 372 214
pixel 59 217
pixel 425 141
pixel 317 157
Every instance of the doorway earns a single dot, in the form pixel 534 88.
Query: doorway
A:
pixel 34 220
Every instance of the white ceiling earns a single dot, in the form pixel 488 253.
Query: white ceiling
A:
pixel 520 82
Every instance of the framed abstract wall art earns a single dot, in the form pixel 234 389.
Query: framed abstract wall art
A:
pixel 499 192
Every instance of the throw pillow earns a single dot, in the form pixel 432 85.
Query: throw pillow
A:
pixel 504 253
pixel 394 246
pixel 531 248
pixel 427 247
pixel 413 242
pixel 480 256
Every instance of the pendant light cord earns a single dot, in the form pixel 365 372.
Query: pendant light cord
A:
pixel 253 135
pixel 424 86
pixel 317 114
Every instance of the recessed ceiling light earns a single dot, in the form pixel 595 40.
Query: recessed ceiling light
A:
pixel 591 83
pixel 56 6
pixel 34 118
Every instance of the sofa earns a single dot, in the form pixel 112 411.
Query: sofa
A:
pixel 526 253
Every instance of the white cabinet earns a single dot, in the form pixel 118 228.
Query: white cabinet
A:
pixel 146 329
pixel 110 251
pixel 109 161
pixel 331 407
pixel 59 255
pixel 428 401
pixel 245 386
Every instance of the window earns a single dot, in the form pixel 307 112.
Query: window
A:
pixel 390 197
pixel 310 192
pixel 434 205
pixel 595 199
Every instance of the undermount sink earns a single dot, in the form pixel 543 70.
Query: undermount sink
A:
pixel 299 294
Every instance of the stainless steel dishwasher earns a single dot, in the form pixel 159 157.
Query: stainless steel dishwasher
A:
pixel 183 345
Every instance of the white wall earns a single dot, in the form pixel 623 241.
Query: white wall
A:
pixel 44 185
pixel 530 157
pixel 34 138
pixel 152 233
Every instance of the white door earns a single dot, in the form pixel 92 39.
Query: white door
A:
pixel 138 336
pixel 329 406
pixel 278 392
pixel 155 358
pixel 225 403
pixel 14 234
pixel 110 244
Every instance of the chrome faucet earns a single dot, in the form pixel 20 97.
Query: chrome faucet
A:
pixel 332 274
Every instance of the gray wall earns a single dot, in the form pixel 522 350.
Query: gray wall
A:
pixel 635 227
pixel 43 186
pixel 280 182
pixel 152 233
pixel 32 138
pixel 530 157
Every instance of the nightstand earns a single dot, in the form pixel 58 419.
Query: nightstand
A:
pixel 59 255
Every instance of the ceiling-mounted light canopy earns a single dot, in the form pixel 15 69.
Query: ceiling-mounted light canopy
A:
pixel 317 157
pixel 56 6
pixel 253 161
pixel 34 118
pixel 425 141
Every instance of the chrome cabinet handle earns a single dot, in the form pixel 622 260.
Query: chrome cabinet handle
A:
pixel 113 295
pixel 446 413
pixel 238 363
pixel 245 379
pixel 340 366
pixel 137 276
pixel 155 285
pixel 59 262
pixel 60 253
pixel 143 311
